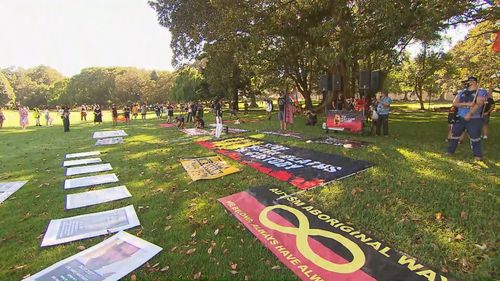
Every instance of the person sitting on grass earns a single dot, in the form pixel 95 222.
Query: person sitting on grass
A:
pixel 180 122
pixel 2 118
pixel 312 118
pixel 199 123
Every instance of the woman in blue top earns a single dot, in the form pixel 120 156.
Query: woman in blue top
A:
pixel 383 109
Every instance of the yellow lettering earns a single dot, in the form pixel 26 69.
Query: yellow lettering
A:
pixel 303 268
pixel 295 262
pixel 429 274
pixel 384 251
pixel 316 278
pixel 403 260
pixel 363 238
pixel 315 212
pixel 324 217
pixel 376 245
pixel 308 208
pixel 332 222
pixel 346 228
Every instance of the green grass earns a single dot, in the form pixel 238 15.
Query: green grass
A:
pixel 396 200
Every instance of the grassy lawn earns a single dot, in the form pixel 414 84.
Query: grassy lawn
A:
pixel 396 200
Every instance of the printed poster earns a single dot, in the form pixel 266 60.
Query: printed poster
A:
pixel 344 120
pixel 8 188
pixel 302 168
pixel 89 181
pixel 110 260
pixel 109 141
pixel 83 154
pixel 90 225
pixel 317 245
pixel 207 167
pixel 109 134
pixel 79 170
pixel 94 197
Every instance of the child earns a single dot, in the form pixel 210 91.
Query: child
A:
pixel 180 122
pixel 452 119
pixel 312 118
pixel 36 115
pixel 269 109
pixel 2 118
pixel 114 114
pixel 126 113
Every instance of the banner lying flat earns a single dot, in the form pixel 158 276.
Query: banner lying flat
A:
pixel 317 246
pixel 109 260
pixel 109 134
pixel 89 225
pixel 207 168
pixel 167 125
pixel 195 132
pixel 300 167
pixel 83 154
pixel 89 198
pixel 78 170
pixel 86 161
pixel 89 181
pixel 109 141
pixel 339 142
pixel 283 134
pixel 8 188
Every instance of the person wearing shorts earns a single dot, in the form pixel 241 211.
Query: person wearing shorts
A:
pixel 126 113
pixel 114 114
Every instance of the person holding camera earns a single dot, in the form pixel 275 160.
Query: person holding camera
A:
pixel 470 103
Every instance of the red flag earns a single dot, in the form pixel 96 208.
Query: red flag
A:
pixel 496 45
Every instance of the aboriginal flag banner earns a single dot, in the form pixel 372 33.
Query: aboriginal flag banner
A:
pixel 318 246
pixel 207 167
pixel 302 168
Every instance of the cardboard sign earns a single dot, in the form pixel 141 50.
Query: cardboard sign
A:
pixel 94 197
pixel 79 170
pixel 109 134
pixel 8 188
pixel 89 181
pixel 83 154
pixel 207 167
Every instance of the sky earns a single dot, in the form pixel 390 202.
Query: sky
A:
pixel 69 35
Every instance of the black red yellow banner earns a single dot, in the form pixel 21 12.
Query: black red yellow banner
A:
pixel 318 246
pixel 300 167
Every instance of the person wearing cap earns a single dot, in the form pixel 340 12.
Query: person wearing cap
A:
pixel 469 102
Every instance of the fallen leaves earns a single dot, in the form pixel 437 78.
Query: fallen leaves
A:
pixel 459 237
pixel 193 235
pixel 190 251
pixel 133 277
pixel 197 276
pixel 439 216
pixel 80 248
pixel 216 231
pixel 464 215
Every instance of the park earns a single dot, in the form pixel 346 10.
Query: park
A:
pixel 263 154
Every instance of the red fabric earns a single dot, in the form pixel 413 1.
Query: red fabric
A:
pixel 496 45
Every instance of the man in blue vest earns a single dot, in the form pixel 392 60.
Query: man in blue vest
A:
pixel 470 103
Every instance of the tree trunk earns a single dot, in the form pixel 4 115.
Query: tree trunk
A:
pixel 405 98
pixel 235 100
pixel 253 100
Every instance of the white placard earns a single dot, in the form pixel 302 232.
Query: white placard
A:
pixel 83 154
pixel 94 197
pixel 195 132
pixel 78 162
pixel 109 260
pixel 90 181
pixel 89 225
pixel 8 188
pixel 109 141
pixel 109 134
pixel 78 170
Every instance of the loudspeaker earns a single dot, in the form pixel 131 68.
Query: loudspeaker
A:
pixel 336 83
pixel 376 80
pixel 364 80
pixel 325 83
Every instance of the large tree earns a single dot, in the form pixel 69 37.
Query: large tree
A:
pixel 7 96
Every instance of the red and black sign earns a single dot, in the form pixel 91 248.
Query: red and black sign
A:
pixel 345 120
pixel 302 168
pixel 318 246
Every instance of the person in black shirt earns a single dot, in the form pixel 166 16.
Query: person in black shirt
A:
pixel 281 112
pixel 65 118
pixel 97 115
pixel 114 114
pixel 126 113
pixel 199 123
pixel 180 122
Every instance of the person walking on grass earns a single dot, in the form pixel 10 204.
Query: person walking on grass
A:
pixel 114 114
pixel 23 117
pixel 97 114
pixel 65 118
pixel 489 106
pixel 37 115
pixel 383 109
pixel 470 103
pixel 135 110
pixel 281 111
pixel 170 113
pixel 126 113
pixel 144 111
pixel 2 118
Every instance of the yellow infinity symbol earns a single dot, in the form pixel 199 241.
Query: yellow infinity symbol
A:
pixel 302 234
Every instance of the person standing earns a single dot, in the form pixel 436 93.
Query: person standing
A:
pixel 114 114
pixel 469 103
pixel 269 108
pixel 289 109
pixel 158 111
pixel 65 118
pixel 97 114
pixel 83 113
pixel 218 117
pixel 489 106
pixel 37 115
pixel 23 117
pixel 46 114
pixel 339 104
pixel 135 110
pixel 189 112
pixel 144 111
pixel 383 109
pixel 126 113
pixel 170 113
pixel 281 110
pixel 2 118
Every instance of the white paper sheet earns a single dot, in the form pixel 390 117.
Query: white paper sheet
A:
pixel 94 197
pixel 83 154
pixel 78 170
pixel 109 260
pixel 78 162
pixel 109 141
pixel 90 181
pixel 90 225
pixel 8 188
pixel 109 134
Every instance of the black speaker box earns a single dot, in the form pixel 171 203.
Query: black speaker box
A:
pixel 364 80
pixel 336 83
pixel 376 81
pixel 325 82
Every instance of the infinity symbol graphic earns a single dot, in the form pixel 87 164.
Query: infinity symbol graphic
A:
pixel 302 234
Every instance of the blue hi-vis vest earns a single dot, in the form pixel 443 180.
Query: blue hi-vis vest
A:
pixel 470 96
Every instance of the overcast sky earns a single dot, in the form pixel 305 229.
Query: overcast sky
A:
pixel 69 35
